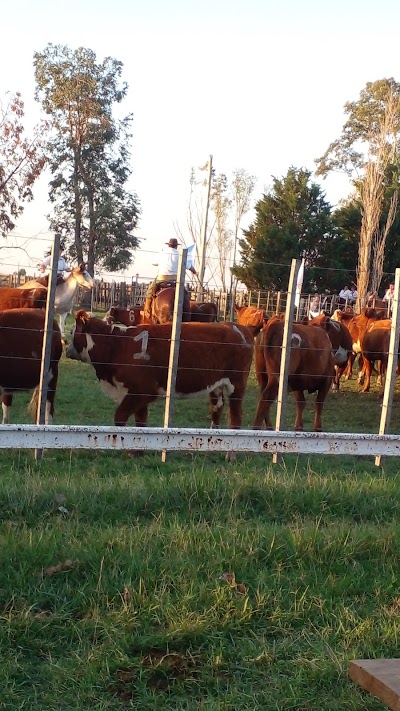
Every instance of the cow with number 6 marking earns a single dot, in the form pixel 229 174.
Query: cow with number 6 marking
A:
pixel 131 364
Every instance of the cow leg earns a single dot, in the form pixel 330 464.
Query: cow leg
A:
pixel 267 397
pixel 339 371
pixel 141 416
pixel 382 373
pixel 380 376
pixel 51 394
pixel 300 405
pixel 132 405
pixel 319 404
pixel 6 402
pixel 367 368
pixel 235 416
pixel 336 379
pixel 216 398
pixel 62 319
pixel 349 367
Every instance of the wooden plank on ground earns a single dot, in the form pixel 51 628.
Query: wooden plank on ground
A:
pixel 381 677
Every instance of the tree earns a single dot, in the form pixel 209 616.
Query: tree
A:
pixel 229 201
pixel 21 161
pixel 365 151
pixel 293 220
pixel 386 244
pixel 88 155
pixel 220 205
pixel 242 188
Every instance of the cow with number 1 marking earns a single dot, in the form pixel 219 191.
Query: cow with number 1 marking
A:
pixel 131 364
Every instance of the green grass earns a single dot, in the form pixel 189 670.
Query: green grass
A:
pixel 140 617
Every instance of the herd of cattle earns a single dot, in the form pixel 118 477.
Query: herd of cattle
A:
pixel 131 357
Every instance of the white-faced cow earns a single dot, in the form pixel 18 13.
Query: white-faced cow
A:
pixel 21 342
pixel 131 316
pixel 357 326
pixel 341 340
pixel 132 364
pixel 311 368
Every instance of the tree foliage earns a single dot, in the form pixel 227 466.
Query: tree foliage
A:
pixel 367 151
pixel 293 220
pixel 88 155
pixel 21 161
pixel 220 202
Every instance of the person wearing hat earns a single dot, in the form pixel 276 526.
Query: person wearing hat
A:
pixel 167 270
pixel 62 265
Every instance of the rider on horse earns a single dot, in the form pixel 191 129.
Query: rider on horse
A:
pixel 167 271
pixel 62 266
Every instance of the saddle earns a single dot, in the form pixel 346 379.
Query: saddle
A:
pixel 163 285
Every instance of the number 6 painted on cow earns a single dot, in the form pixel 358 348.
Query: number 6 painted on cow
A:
pixel 144 337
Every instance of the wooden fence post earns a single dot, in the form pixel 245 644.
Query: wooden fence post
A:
pixel 286 346
pixel 175 342
pixel 392 363
pixel 47 338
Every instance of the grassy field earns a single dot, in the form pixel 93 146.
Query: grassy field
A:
pixel 114 591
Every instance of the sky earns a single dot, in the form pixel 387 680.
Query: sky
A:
pixel 259 85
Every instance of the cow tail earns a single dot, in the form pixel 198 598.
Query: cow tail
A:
pixel 33 405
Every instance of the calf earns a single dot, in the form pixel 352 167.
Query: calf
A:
pixel 250 316
pixel 128 317
pixel 310 368
pixel 21 342
pixel 132 364
pixel 22 298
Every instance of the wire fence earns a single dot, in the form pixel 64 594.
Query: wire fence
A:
pixel 194 365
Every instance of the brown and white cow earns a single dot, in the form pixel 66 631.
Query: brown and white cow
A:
pixel 132 364
pixel 131 316
pixel 22 298
pixel 203 311
pixel 250 316
pixel 21 342
pixel 358 327
pixel 310 368
pixel 341 340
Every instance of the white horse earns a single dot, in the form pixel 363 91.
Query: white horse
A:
pixel 65 291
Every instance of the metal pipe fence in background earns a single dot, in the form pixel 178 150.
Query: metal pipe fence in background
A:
pixel 112 293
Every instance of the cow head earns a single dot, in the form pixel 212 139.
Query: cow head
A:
pixel 82 342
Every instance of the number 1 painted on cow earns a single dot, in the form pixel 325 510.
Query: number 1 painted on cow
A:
pixel 144 337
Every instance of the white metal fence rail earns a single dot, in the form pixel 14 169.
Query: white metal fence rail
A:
pixel 175 439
